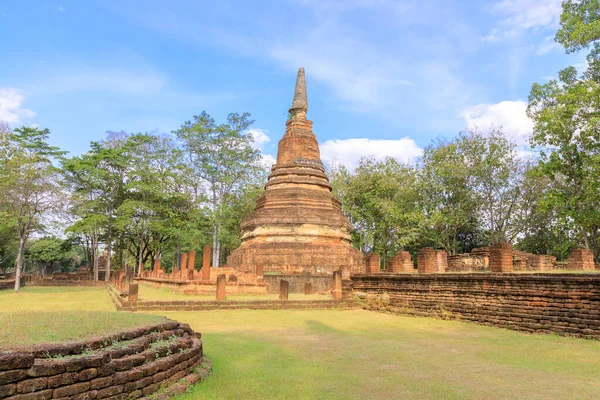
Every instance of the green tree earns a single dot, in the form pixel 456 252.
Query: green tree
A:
pixel 566 115
pixel 380 198
pixel 496 176
pixel 30 186
pixel 50 254
pixel 447 197
pixel 221 162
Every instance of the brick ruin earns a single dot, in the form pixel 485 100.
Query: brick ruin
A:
pixel 580 259
pixel 402 262
pixel 165 356
pixel 297 225
pixel 565 304
pixel 477 260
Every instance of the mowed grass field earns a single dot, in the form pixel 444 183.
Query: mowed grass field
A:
pixel 341 354
pixel 54 314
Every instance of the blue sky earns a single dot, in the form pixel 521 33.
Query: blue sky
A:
pixel 384 77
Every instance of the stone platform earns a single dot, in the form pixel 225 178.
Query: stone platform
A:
pixel 152 362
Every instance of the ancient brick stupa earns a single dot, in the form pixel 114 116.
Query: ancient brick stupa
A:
pixel 297 225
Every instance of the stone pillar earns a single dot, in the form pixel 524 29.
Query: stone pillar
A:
pixel 308 289
pixel 190 274
pixel 372 262
pixel 426 261
pixel 221 282
pixel 441 261
pixel 284 290
pixel 133 293
pixel 191 262
pixel 206 263
pixel 183 262
pixel 337 285
pixel 580 259
pixel 501 258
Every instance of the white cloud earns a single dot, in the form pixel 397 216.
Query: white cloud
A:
pixel 509 115
pixel 267 160
pixel 61 9
pixel 10 107
pixel 260 137
pixel 547 46
pixel 521 15
pixel 348 152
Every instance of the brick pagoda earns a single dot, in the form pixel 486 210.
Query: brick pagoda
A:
pixel 297 225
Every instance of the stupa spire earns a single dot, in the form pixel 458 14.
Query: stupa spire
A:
pixel 300 102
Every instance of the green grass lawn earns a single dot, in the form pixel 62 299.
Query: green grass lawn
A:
pixel 336 354
pixel 149 293
pixel 341 354
pixel 54 314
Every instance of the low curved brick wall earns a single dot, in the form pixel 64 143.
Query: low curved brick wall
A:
pixel 132 364
pixel 566 304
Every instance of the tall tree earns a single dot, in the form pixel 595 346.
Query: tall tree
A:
pixel 380 199
pixel 496 173
pixel 447 196
pixel 566 115
pixel 30 186
pixel 221 161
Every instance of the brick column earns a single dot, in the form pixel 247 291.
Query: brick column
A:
pixel 133 293
pixel 284 290
pixel 372 262
pixel 206 263
pixel 401 262
pixel 580 259
pixel 441 261
pixel 221 282
pixel 337 285
pixel 426 261
pixel 308 289
pixel 501 258
pixel 183 262
pixel 191 262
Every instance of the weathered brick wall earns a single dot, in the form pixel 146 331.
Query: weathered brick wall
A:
pixel 204 287
pixel 475 261
pixel 566 304
pixel 320 283
pixel 7 284
pixel 132 364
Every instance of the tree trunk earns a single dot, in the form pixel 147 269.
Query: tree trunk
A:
pixel 139 266
pixel 108 253
pixel 95 253
pixel 19 264
pixel 215 260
